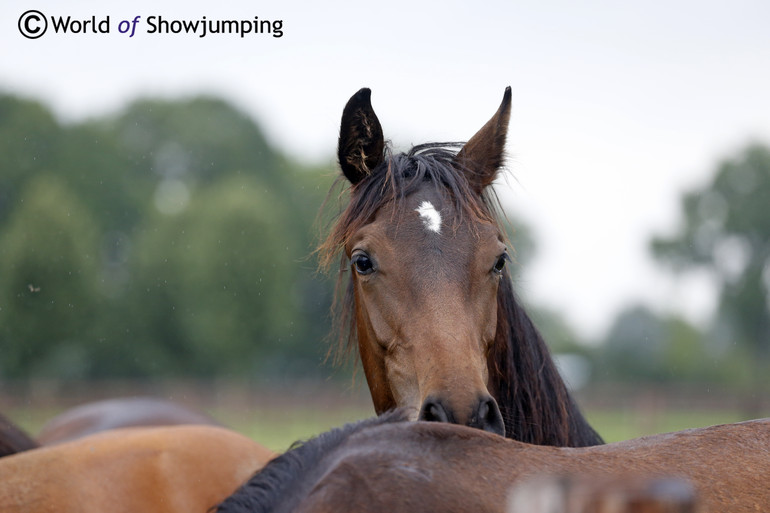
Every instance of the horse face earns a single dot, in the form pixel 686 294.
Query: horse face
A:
pixel 425 275
pixel 425 285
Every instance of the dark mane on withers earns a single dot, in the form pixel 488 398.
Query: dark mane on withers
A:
pixel 534 401
pixel 280 485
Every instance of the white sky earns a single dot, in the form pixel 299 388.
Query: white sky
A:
pixel 617 106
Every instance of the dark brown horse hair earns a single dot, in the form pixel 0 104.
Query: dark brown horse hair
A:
pixel 285 480
pixel 533 399
pixel 535 404
pixel 13 439
pixel 388 465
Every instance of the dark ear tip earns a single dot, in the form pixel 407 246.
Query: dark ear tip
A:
pixel 361 146
pixel 363 98
pixel 364 94
pixel 507 95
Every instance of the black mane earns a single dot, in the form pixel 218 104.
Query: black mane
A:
pixel 535 404
pixel 280 485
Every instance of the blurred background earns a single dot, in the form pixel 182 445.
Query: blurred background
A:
pixel 160 199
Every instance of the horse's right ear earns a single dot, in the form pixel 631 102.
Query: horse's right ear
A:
pixel 361 146
pixel 482 155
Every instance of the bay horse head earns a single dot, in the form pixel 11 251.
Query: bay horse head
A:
pixel 429 302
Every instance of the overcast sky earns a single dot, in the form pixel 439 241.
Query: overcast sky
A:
pixel 618 107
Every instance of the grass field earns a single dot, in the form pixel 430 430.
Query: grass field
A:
pixel 278 416
pixel 616 425
pixel 278 428
pixel 281 429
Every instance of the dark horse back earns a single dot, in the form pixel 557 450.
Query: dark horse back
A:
pixel 282 484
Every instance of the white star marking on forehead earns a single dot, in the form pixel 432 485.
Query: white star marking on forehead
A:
pixel 431 217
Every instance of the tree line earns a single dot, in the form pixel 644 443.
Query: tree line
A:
pixel 167 239
pixel 724 234
pixel 170 239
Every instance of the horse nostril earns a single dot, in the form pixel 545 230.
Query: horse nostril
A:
pixel 433 411
pixel 488 417
pixel 483 410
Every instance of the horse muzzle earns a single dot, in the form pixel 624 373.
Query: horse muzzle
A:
pixel 484 414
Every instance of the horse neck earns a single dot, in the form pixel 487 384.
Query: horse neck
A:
pixel 536 406
pixel 282 484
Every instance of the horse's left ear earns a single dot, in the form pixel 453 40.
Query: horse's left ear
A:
pixel 482 156
pixel 361 146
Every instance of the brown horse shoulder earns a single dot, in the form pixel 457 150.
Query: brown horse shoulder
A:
pixel 166 469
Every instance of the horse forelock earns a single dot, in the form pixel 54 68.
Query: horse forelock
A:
pixel 281 484
pixel 433 165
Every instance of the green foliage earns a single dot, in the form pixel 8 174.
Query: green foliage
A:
pixel 29 140
pixel 727 232
pixel 644 346
pixel 556 332
pixel 49 274
pixel 200 139
pixel 99 170
pixel 223 273
pixel 168 239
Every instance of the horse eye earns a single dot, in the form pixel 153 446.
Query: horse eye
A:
pixel 500 264
pixel 362 264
